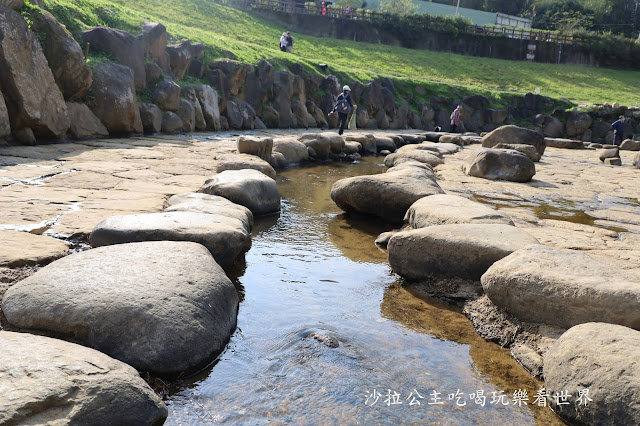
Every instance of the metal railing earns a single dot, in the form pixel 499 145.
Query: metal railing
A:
pixel 333 11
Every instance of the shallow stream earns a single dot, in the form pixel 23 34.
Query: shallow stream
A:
pixel 327 335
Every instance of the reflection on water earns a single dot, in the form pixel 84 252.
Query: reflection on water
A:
pixel 324 324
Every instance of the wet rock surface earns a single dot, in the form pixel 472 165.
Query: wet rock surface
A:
pixel 163 307
pixel 51 381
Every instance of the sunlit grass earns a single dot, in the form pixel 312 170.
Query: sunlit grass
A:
pixel 252 38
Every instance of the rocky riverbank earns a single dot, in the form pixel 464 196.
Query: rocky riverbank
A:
pixel 56 199
pixel 151 82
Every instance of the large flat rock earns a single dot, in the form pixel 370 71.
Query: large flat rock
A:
pixel 388 195
pixel 24 249
pixel 440 148
pixel 563 143
pixel 419 155
pixel 462 250
pixel 197 202
pixel 225 237
pixel 499 164
pixel 602 358
pixel 515 135
pixel 294 151
pixel 564 288
pixel 163 307
pixel 244 161
pixel 247 187
pixel 49 381
pixel 444 209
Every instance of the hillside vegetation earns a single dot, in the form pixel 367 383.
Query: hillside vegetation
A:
pixel 252 38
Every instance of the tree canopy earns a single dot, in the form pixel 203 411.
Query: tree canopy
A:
pixel 398 7
pixel 615 16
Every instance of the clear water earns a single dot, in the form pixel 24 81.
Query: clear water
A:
pixel 313 272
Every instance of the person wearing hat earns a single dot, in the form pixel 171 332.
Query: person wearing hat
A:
pixel 343 107
pixel 455 118
pixel 618 130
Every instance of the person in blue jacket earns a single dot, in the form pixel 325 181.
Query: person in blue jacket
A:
pixel 618 131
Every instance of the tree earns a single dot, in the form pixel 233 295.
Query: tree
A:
pixel 614 16
pixel 565 16
pixel 398 7
pixel 357 4
pixel 510 7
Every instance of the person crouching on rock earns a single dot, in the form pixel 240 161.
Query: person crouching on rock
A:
pixel 283 42
pixel 343 107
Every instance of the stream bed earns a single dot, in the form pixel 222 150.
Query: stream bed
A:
pixel 328 335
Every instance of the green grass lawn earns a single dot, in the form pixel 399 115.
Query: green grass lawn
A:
pixel 252 38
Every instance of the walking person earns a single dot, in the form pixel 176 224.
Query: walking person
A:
pixel 455 118
pixel 283 42
pixel 618 130
pixel 343 107
pixel 289 42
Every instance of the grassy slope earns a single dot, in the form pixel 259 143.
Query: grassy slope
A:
pixel 252 38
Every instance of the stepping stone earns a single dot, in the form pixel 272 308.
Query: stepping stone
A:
pixel 499 164
pixel 164 307
pixel 197 202
pixel 249 188
pixel 444 209
pixel 244 161
pixel 50 381
pixel 323 144
pixel 460 250
pixel 602 358
pixel 225 237
pixel 256 146
pixel 439 148
pixel 294 151
pixel 368 142
pixel 47 380
pixel 418 155
pixel 387 195
pixel 564 288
